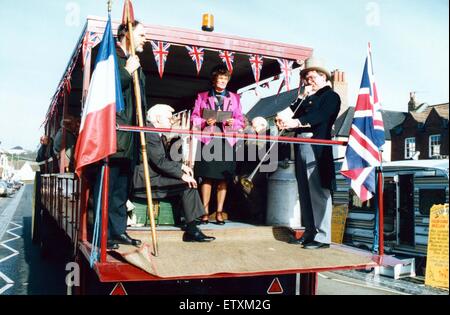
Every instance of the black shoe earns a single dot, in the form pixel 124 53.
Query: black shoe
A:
pixel 126 240
pixel 315 245
pixel 220 222
pixel 302 240
pixel 197 236
pixel 112 245
pixel 204 220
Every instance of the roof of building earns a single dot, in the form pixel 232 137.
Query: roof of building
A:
pixel 441 109
pixel 344 122
pixel 422 116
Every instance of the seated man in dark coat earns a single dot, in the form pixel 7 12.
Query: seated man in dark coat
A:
pixel 170 177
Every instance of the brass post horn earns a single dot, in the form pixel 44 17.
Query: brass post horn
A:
pixel 247 181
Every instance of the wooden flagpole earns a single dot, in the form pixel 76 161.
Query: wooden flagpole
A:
pixel 137 93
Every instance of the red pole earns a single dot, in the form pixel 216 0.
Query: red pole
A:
pixel 381 213
pixel 234 135
pixel 105 193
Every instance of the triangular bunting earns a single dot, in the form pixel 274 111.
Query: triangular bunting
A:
pixel 160 51
pixel 91 39
pixel 227 58
pixel 286 70
pixel 257 62
pixel 197 55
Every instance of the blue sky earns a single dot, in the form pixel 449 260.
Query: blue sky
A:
pixel 410 45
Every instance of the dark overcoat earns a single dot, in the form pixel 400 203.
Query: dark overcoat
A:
pixel 320 111
pixel 128 142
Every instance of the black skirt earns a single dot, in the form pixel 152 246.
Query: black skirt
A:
pixel 215 160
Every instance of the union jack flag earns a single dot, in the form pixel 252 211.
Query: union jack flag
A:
pixel 286 70
pixel 257 62
pixel 366 137
pixel 90 40
pixel 228 58
pixel 197 55
pixel 161 51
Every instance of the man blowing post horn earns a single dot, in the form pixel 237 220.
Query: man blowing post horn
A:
pixel 314 166
pixel 170 178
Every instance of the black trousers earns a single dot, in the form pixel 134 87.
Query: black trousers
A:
pixel 120 177
pixel 192 204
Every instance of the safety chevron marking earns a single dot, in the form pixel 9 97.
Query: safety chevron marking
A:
pixel 9 282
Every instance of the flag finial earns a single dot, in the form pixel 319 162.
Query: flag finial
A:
pixel 110 6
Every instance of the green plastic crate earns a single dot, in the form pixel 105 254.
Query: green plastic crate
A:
pixel 165 216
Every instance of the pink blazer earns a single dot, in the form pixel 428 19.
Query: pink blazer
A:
pixel 232 103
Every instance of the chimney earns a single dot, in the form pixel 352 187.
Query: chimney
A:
pixel 340 86
pixel 412 104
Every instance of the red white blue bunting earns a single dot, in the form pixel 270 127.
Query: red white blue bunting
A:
pixel 256 62
pixel 286 71
pixel 227 58
pixel 160 51
pixel 90 40
pixel 197 55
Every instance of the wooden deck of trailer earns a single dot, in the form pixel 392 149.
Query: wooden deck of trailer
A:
pixel 240 250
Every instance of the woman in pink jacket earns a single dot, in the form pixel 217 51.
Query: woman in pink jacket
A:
pixel 216 162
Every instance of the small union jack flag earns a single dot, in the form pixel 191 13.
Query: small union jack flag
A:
pixel 161 51
pixel 286 70
pixel 197 55
pixel 227 58
pixel 366 137
pixel 257 62
pixel 91 39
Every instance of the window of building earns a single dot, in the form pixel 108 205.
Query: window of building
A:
pixel 435 145
pixel 410 147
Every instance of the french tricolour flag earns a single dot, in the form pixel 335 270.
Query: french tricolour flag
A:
pixel 97 137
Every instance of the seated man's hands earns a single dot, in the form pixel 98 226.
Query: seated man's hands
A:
pixel 192 183
pixel 187 170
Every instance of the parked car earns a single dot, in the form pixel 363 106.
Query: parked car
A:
pixel 17 185
pixel 3 189
pixel 9 189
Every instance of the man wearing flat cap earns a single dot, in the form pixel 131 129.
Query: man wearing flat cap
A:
pixel 314 164
pixel 169 177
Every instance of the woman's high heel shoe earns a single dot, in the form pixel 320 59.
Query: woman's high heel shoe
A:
pixel 204 219
pixel 219 222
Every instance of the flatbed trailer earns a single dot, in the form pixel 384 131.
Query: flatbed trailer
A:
pixel 62 201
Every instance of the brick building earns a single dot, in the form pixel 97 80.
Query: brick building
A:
pixel 423 134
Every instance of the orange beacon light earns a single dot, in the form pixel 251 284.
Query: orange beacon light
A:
pixel 208 22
